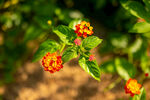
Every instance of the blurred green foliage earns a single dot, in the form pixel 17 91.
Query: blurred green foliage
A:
pixel 23 21
pixel 24 24
pixel 127 42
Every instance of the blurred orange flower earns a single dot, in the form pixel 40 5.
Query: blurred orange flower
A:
pixel 140 20
pixel 84 29
pixel 77 41
pixel 132 87
pixel 52 62
pixel 91 58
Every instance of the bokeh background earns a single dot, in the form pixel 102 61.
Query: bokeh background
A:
pixel 24 25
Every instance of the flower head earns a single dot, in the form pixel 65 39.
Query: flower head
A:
pixel 77 41
pixel 84 29
pixel 91 58
pixel 52 62
pixel 132 87
pixel 139 20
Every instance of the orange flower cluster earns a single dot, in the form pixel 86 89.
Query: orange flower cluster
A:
pixel 139 20
pixel 132 87
pixel 84 29
pixel 52 62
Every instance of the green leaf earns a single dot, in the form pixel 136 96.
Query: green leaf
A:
pixel 47 46
pixel 136 45
pixel 108 66
pixel 73 23
pixel 145 63
pixel 65 33
pixel 125 69
pixel 142 27
pixel 147 3
pixel 147 35
pixel 32 33
pixel 141 96
pixel 69 54
pixel 91 42
pixel 118 40
pixel 91 67
pixel 137 48
pixel 136 9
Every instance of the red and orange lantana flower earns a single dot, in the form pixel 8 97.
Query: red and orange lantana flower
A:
pixel 52 62
pixel 84 29
pixel 91 58
pixel 132 87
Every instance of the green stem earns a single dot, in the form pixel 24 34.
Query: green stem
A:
pixel 130 57
pixel 82 53
pixel 63 46
pixel 85 55
pixel 82 49
pixel 112 85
